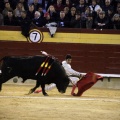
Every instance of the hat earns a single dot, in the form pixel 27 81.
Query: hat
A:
pixel 46 14
pixel 68 56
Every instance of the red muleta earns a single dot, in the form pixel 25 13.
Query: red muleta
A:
pixel 85 83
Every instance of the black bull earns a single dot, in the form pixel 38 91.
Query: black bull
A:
pixel 27 67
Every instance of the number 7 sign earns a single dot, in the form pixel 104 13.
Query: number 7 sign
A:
pixel 35 36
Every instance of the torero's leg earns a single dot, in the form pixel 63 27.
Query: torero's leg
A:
pixel 73 89
pixel 47 88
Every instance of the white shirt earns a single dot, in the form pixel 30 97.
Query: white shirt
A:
pixel 97 7
pixel 69 70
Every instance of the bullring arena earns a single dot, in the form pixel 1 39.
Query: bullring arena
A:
pixel 92 50
pixel 95 104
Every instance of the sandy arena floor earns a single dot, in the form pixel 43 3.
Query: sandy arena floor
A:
pixel 95 104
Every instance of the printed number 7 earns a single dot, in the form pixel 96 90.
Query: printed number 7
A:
pixel 35 36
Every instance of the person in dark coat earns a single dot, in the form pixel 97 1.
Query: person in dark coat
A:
pixel 47 19
pixel 116 21
pixel 72 13
pixel 1 19
pixel 24 22
pixel 59 6
pixel 107 6
pixel 37 4
pixel 76 22
pixel 81 6
pixel 101 21
pixel 53 14
pixel 38 21
pixel 10 20
pixel 63 21
pixel 31 12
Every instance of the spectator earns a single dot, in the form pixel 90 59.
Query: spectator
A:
pixel 59 6
pixel 1 19
pixel 37 4
pixel 40 9
pixel 81 6
pixel 72 13
pixel 100 2
pixel 107 6
pixel 24 3
pixel 63 21
pixel 97 12
pixel 118 4
pixel 6 9
pixel 13 3
pixel 76 22
pixel 118 10
pixel 67 13
pixel 50 2
pixel 85 14
pixel 74 2
pixel 101 21
pixel 67 4
pixel 47 19
pixel 38 21
pixel 2 4
pixel 31 11
pixel 89 21
pixel 116 21
pixel 18 10
pixel 94 6
pixel 110 16
pixel 87 11
pixel 25 22
pixel 53 14
pixel 10 20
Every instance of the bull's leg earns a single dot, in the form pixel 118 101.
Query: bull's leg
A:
pixel 0 86
pixel 33 89
pixel 43 90
pixel 0 82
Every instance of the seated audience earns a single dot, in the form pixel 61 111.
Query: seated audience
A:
pixel 1 19
pixel 37 20
pixel 116 21
pixel 81 6
pixel 10 20
pixel 31 11
pixel 72 12
pixel 18 10
pixel 6 9
pixel 53 14
pixel 63 21
pixel 89 21
pixel 101 21
pixel 76 22
pixel 59 6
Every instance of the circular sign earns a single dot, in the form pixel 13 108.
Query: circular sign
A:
pixel 35 36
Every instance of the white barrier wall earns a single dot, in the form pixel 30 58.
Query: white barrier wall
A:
pixel 114 83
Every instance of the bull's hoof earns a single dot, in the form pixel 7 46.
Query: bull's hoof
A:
pixel 73 94
pixel 45 94
pixel 22 81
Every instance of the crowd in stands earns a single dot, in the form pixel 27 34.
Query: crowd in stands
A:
pixel 97 14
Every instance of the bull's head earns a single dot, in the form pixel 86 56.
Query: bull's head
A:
pixel 62 84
